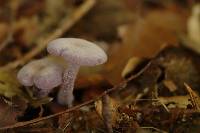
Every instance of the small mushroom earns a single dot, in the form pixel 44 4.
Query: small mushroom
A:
pixel 44 74
pixel 77 52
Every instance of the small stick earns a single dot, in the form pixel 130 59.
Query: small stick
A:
pixel 156 129
pixel 6 41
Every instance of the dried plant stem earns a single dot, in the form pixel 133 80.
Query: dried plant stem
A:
pixel 156 129
pixel 106 113
pixel 9 37
pixel 6 41
pixel 65 25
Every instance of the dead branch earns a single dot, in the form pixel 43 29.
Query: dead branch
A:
pixel 9 37
pixel 6 41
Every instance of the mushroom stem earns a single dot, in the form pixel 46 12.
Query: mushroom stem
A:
pixel 65 95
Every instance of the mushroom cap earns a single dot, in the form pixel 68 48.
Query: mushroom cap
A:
pixel 44 69
pixel 49 77
pixel 26 73
pixel 77 51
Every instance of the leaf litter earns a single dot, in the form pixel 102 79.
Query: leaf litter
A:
pixel 149 84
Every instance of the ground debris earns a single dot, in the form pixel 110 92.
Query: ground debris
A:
pixel 150 83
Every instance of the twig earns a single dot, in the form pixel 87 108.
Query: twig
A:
pixel 21 124
pixel 9 37
pixel 65 25
pixel 120 86
pixel 156 129
pixel 6 41
pixel 165 107
pixel 67 125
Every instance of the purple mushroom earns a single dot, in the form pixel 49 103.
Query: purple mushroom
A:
pixel 44 74
pixel 77 52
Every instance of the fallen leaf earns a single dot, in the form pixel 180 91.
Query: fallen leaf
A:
pixel 170 85
pixel 193 25
pixel 192 39
pixel 176 101
pixel 194 97
pixel 179 65
pixel 143 38
pixel 131 65
pixel 114 104
pixel 9 86
pixel 10 110
pixel 148 35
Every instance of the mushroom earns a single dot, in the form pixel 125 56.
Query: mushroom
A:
pixel 44 74
pixel 77 52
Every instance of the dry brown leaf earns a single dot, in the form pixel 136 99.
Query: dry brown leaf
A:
pixel 193 25
pixel 176 101
pixel 170 85
pixel 194 97
pixel 179 65
pixel 118 56
pixel 132 63
pixel 114 104
pixel 148 34
pixel 192 40
pixel 4 28
pixel 107 113
pixel 10 110
pixel 146 37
